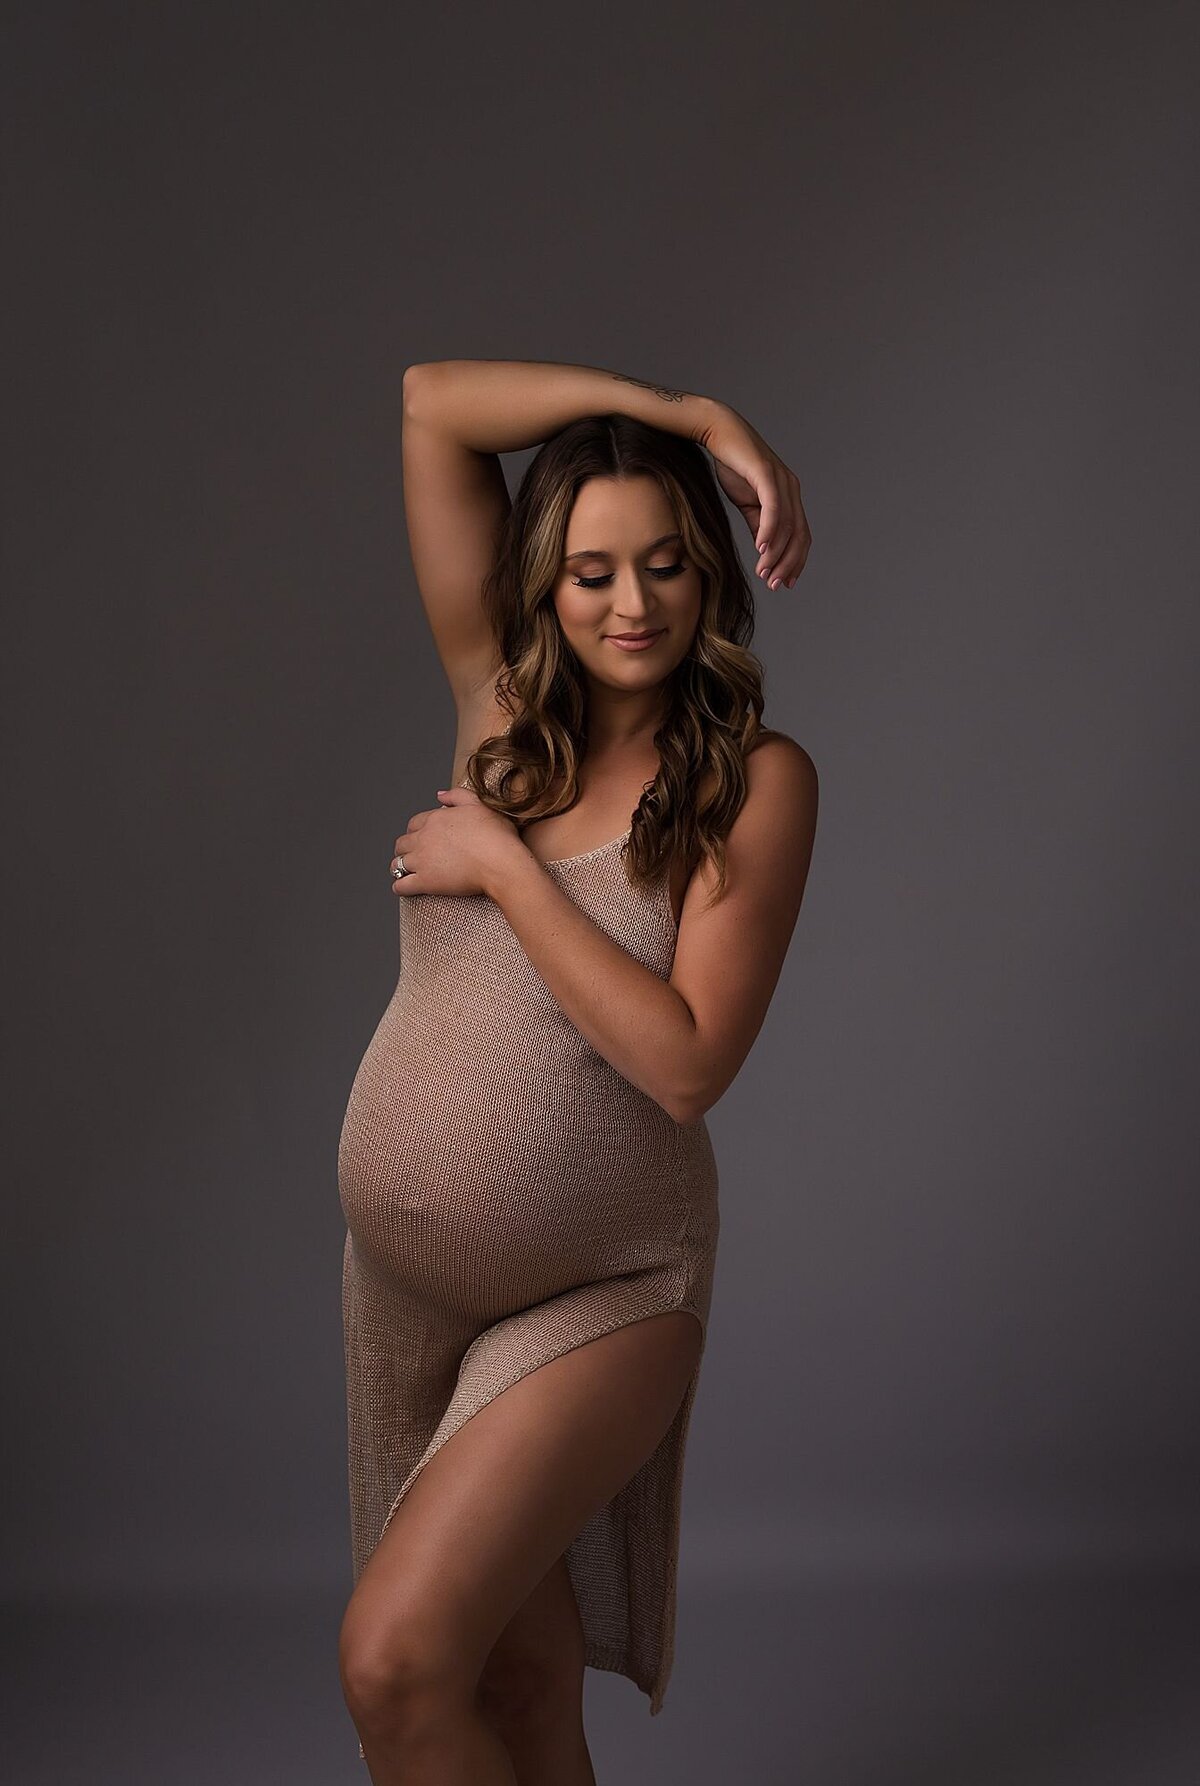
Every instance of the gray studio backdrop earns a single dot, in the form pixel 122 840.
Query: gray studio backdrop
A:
pixel 944 258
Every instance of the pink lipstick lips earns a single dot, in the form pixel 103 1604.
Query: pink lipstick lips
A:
pixel 635 641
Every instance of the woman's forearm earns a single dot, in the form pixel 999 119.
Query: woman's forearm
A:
pixel 637 1021
pixel 501 406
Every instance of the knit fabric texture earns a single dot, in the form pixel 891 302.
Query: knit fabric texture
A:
pixel 509 1195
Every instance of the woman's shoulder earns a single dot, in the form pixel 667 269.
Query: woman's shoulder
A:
pixel 780 776
pixel 774 759
pixel 780 771
pixel 780 747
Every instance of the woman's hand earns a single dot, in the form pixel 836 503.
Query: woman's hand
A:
pixel 456 847
pixel 757 482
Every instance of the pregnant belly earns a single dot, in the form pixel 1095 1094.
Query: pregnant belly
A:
pixel 488 1188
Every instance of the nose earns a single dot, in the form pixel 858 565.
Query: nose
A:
pixel 629 600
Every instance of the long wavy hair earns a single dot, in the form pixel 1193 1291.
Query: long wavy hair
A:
pixel 713 698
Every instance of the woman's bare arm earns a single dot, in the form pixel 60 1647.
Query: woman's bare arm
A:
pixel 681 1041
pixel 501 406
pixel 455 505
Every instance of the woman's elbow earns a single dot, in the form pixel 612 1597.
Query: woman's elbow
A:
pixel 687 1104
pixel 416 378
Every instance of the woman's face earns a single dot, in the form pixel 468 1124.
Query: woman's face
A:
pixel 625 570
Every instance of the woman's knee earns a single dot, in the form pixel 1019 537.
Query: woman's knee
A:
pixel 398 1677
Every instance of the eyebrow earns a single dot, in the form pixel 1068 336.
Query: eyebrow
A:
pixel 664 539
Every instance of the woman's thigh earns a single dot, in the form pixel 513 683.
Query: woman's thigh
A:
pixel 499 1503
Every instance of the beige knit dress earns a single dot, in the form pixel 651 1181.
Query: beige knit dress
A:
pixel 508 1196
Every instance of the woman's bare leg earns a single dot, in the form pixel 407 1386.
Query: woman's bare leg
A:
pixel 531 1689
pixel 478 1532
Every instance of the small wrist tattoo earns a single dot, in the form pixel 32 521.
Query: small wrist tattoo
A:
pixel 660 390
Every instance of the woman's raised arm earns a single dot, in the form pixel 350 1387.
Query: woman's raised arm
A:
pixel 459 415
pixel 502 406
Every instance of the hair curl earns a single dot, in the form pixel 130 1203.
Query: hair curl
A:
pixel 714 696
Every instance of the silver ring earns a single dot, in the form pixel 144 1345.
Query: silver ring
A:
pixel 397 873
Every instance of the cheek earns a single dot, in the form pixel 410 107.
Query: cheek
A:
pixel 689 596
pixel 573 613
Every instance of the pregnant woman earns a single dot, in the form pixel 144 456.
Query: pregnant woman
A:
pixel 592 919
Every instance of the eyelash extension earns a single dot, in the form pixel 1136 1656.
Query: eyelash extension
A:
pixel 669 570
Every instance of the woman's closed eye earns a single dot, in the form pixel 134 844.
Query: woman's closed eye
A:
pixel 662 571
